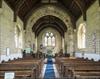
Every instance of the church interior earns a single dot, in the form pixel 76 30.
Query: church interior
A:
pixel 49 39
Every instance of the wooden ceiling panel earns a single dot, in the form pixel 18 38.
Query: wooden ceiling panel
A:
pixel 49 21
pixel 75 8
pixel 88 3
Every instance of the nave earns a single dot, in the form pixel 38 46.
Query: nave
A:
pixel 51 68
pixel 49 39
pixel 29 68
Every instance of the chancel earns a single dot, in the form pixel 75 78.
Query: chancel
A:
pixel 49 39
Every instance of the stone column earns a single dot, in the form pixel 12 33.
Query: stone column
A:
pixel 65 41
pixel 36 47
pixel 1 11
pixel 70 42
pixel 74 41
pixel 63 44
pixel 98 33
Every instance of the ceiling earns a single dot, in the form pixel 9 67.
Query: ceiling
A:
pixel 49 21
pixel 24 7
pixel 75 8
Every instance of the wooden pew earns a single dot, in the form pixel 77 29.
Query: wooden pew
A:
pixel 22 65
pixel 23 69
pixel 86 75
pixel 62 60
pixel 38 62
pixel 18 74
pixel 69 65
pixel 85 72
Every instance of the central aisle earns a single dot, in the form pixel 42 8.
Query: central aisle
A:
pixel 49 72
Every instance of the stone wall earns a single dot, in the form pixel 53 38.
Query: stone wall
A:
pixel 69 43
pixel 7 33
pixel 48 10
pixel 92 30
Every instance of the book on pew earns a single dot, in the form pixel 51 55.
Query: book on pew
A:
pixel 9 75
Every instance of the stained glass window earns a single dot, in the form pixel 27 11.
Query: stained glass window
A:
pixel 49 39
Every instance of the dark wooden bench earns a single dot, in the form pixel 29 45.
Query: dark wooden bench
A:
pixel 86 72
pixel 74 67
pixel 37 62
pixel 19 74
pixel 22 68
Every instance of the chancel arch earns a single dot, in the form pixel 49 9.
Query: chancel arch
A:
pixel 52 19
pixel 49 10
pixel 49 20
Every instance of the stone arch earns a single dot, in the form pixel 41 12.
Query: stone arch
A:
pixel 49 20
pixel 49 10
pixel 44 11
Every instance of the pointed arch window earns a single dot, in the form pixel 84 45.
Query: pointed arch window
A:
pixel 49 39
pixel 81 36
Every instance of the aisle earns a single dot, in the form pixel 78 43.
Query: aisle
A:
pixel 49 72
